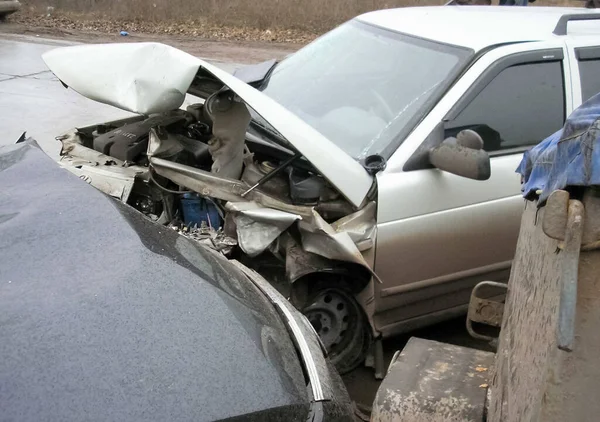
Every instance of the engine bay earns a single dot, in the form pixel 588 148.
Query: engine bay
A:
pixel 215 175
pixel 187 137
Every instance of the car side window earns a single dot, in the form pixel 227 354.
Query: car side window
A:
pixel 520 107
pixel 589 72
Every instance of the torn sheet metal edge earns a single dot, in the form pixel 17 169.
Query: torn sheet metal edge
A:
pixel 259 213
pixel 314 232
pixel 115 180
pixel 153 78
pixel 72 146
pixel 254 237
pixel 208 184
pixel 258 227
pixel 360 226
pixel 305 339
pixel 320 238
pixel 110 182
pixel 299 263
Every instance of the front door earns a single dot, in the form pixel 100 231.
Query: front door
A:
pixel 448 232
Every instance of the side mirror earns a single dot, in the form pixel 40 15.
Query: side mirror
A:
pixel 463 156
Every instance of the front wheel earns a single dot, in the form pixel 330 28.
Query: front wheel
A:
pixel 340 322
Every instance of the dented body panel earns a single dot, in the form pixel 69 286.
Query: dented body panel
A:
pixel 154 78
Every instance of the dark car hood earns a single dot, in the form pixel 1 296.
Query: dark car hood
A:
pixel 105 315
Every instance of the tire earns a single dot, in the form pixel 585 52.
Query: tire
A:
pixel 340 322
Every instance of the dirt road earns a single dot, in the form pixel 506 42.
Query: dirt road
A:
pixel 221 51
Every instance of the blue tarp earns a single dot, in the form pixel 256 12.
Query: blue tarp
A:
pixel 568 158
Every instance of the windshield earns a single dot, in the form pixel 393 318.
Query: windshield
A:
pixel 363 87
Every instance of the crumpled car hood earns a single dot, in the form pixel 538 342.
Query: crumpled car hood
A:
pixel 148 78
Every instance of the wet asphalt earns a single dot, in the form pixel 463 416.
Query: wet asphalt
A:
pixel 32 100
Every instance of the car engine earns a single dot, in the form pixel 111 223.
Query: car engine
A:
pixel 213 143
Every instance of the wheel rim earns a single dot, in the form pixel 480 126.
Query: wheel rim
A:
pixel 332 314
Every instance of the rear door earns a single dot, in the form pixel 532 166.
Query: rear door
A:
pixel 439 234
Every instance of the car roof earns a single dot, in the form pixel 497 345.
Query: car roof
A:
pixel 479 27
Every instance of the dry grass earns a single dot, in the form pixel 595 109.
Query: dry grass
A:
pixel 314 16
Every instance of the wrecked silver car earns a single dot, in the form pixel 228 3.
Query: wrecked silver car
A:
pixel 358 180
pixel 217 174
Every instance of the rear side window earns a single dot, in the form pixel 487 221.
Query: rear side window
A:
pixel 520 107
pixel 589 72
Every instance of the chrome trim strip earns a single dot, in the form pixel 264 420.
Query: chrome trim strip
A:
pixel 311 368
pixel 282 304
pixel 403 288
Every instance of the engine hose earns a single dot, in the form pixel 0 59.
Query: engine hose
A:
pixel 158 185
pixel 178 192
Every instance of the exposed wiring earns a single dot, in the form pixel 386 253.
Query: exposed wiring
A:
pixel 219 210
pixel 158 185
pixel 176 192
